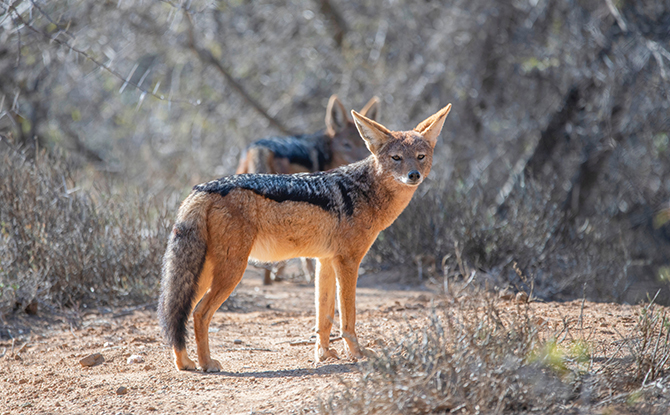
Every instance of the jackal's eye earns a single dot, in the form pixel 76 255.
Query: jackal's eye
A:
pixel 396 157
pixel 421 156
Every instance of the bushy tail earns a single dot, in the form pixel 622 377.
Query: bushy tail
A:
pixel 182 265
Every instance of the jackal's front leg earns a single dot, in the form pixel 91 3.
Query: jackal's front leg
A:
pixel 347 276
pixel 325 308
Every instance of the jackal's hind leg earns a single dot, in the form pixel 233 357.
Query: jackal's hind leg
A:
pixel 227 270
pixel 325 308
pixel 308 268
pixel 182 361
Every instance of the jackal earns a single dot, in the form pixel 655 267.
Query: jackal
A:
pixel 337 145
pixel 333 216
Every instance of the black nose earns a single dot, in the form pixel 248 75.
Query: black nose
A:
pixel 414 175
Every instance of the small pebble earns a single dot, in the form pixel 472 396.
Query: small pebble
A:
pixel 122 390
pixel 92 360
pixel 237 341
pixel 135 359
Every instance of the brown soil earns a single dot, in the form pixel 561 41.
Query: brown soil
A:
pixel 40 371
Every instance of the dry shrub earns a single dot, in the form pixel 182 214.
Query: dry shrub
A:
pixel 472 359
pixel 648 357
pixel 467 360
pixel 62 245
pixel 598 257
pixel 651 349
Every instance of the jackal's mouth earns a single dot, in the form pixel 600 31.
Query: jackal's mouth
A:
pixel 409 182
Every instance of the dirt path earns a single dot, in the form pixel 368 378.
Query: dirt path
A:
pixel 264 373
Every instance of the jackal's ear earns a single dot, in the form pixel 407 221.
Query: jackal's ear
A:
pixel 374 134
pixel 336 116
pixel 372 109
pixel 431 127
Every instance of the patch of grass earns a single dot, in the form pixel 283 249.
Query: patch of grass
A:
pixel 650 349
pixel 60 245
pixel 473 359
pixel 467 360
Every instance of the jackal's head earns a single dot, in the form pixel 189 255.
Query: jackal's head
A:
pixel 345 143
pixel 405 155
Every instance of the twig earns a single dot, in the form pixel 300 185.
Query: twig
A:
pixel 472 277
pixel 23 347
pixel 445 273
pixel 459 260
pixel 617 16
pixel 18 44
pixel 49 18
pixel 581 313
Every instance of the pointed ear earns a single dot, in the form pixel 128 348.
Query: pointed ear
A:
pixel 374 134
pixel 431 127
pixel 372 109
pixel 336 116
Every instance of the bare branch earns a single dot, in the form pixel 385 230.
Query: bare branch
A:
pixel 334 15
pixel 617 15
pixel 91 58
pixel 207 57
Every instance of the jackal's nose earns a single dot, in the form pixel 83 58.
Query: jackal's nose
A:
pixel 414 175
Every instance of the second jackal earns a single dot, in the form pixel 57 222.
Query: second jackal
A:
pixel 337 145
pixel 334 216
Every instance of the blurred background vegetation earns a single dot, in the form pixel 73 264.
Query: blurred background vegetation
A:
pixel 553 171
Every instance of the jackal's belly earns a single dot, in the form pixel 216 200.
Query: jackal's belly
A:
pixel 272 248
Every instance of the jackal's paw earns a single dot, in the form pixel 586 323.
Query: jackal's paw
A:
pixel 211 366
pixel 184 363
pixel 324 354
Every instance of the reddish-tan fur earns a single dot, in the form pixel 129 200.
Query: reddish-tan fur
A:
pixel 244 224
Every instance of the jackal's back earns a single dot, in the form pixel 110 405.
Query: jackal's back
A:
pixel 338 191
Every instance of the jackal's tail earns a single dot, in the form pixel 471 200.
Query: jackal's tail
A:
pixel 182 265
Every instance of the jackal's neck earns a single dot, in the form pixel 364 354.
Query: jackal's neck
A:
pixel 390 196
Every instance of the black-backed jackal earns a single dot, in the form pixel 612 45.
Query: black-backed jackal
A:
pixel 337 145
pixel 334 216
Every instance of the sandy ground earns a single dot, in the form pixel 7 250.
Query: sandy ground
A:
pixel 251 336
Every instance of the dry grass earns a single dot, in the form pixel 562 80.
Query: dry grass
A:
pixel 471 359
pixel 64 246
pixel 645 356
